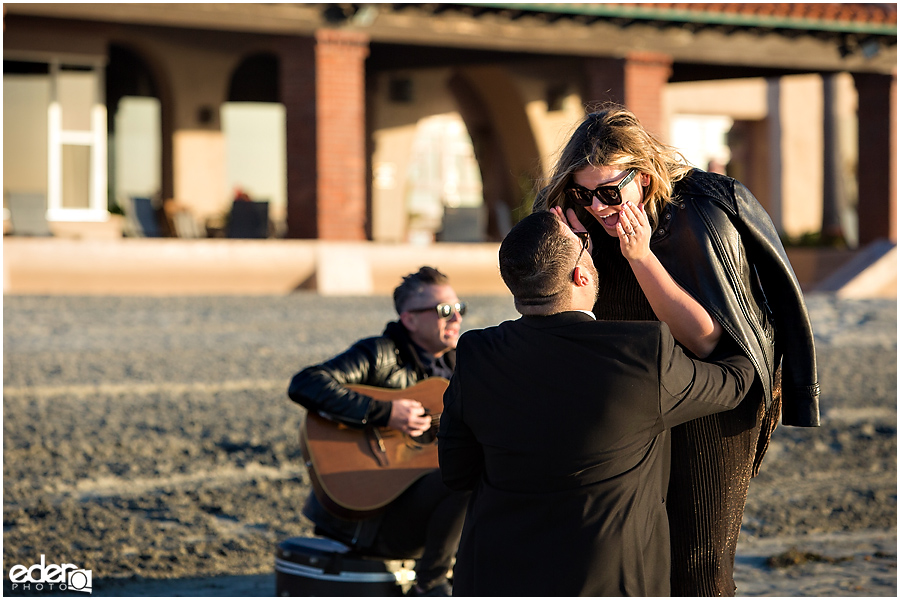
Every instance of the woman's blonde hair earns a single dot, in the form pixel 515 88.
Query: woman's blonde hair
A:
pixel 613 136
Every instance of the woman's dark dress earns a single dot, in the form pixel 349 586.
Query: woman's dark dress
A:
pixel 713 457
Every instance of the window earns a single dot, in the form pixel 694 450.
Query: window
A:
pixel 77 144
pixel 26 101
pixel 55 136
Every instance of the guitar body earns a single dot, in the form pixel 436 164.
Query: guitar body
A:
pixel 356 473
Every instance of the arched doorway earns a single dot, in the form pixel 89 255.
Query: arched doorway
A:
pixel 253 125
pixel 444 197
pixel 137 146
pixel 255 80
pixel 504 144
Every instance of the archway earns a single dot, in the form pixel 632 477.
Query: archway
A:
pixel 255 80
pixel 140 152
pixel 507 152
pixel 253 125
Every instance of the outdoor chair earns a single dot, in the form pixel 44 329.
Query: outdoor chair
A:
pixel 141 217
pixel 28 214
pixel 146 216
pixel 249 219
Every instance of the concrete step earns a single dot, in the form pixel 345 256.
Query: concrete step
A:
pixel 871 273
pixel 171 266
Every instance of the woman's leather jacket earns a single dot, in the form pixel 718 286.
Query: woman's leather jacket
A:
pixel 720 245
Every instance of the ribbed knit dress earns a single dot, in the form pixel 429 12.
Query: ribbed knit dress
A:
pixel 713 457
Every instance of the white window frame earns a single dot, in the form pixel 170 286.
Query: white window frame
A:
pixel 95 139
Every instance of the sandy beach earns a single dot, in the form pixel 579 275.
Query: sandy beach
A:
pixel 151 441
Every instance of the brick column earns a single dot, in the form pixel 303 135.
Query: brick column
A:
pixel 637 81
pixel 297 78
pixel 341 134
pixel 876 173
pixel 646 75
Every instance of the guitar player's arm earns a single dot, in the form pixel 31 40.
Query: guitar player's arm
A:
pixel 460 455
pixel 321 389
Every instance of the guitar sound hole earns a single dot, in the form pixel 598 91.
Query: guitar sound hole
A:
pixel 426 438
pixel 430 436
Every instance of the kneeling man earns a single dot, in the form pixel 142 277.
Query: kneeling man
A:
pixel 558 422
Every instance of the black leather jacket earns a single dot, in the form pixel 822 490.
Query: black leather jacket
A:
pixel 720 245
pixel 387 361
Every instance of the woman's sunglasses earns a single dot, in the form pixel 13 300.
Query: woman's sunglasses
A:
pixel 610 195
pixel 444 311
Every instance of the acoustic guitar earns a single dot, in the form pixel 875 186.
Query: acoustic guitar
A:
pixel 356 473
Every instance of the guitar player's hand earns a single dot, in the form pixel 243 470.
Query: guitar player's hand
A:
pixel 408 416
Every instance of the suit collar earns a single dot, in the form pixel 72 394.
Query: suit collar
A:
pixel 557 320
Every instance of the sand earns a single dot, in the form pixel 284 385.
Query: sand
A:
pixel 151 441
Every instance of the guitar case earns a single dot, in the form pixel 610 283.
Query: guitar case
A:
pixel 323 567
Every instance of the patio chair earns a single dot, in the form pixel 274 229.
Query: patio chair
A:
pixel 141 217
pixel 249 219
pixel 28 214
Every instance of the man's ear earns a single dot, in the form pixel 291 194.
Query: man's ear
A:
pixel 581 277
pixel 407 319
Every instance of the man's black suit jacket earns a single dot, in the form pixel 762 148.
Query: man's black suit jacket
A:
pixel 558 424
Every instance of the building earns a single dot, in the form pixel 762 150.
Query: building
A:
pixel 407 123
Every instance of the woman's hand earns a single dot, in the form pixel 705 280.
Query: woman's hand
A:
pixel 634 232
pixel 571 219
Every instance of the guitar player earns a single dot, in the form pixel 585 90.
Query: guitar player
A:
pixel 425 521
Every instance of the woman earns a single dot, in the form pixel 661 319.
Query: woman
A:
pixel 697 251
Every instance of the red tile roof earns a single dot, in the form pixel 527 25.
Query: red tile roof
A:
pixel 874 18
pixel 867 13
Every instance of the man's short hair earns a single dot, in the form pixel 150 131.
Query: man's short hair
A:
pixel 536 260
pixel 414 284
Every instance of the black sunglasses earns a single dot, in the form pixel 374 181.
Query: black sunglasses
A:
pixel 610 195
pixel 444 310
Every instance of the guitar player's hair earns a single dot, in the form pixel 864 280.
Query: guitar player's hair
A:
pixel 415 284
pixel 536 261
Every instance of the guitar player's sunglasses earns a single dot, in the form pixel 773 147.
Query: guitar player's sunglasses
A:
pixel 444 310
pixel 610 195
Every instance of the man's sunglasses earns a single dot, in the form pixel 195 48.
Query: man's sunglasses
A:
pixel 444 310
pixel 585 238
pixel 610 195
